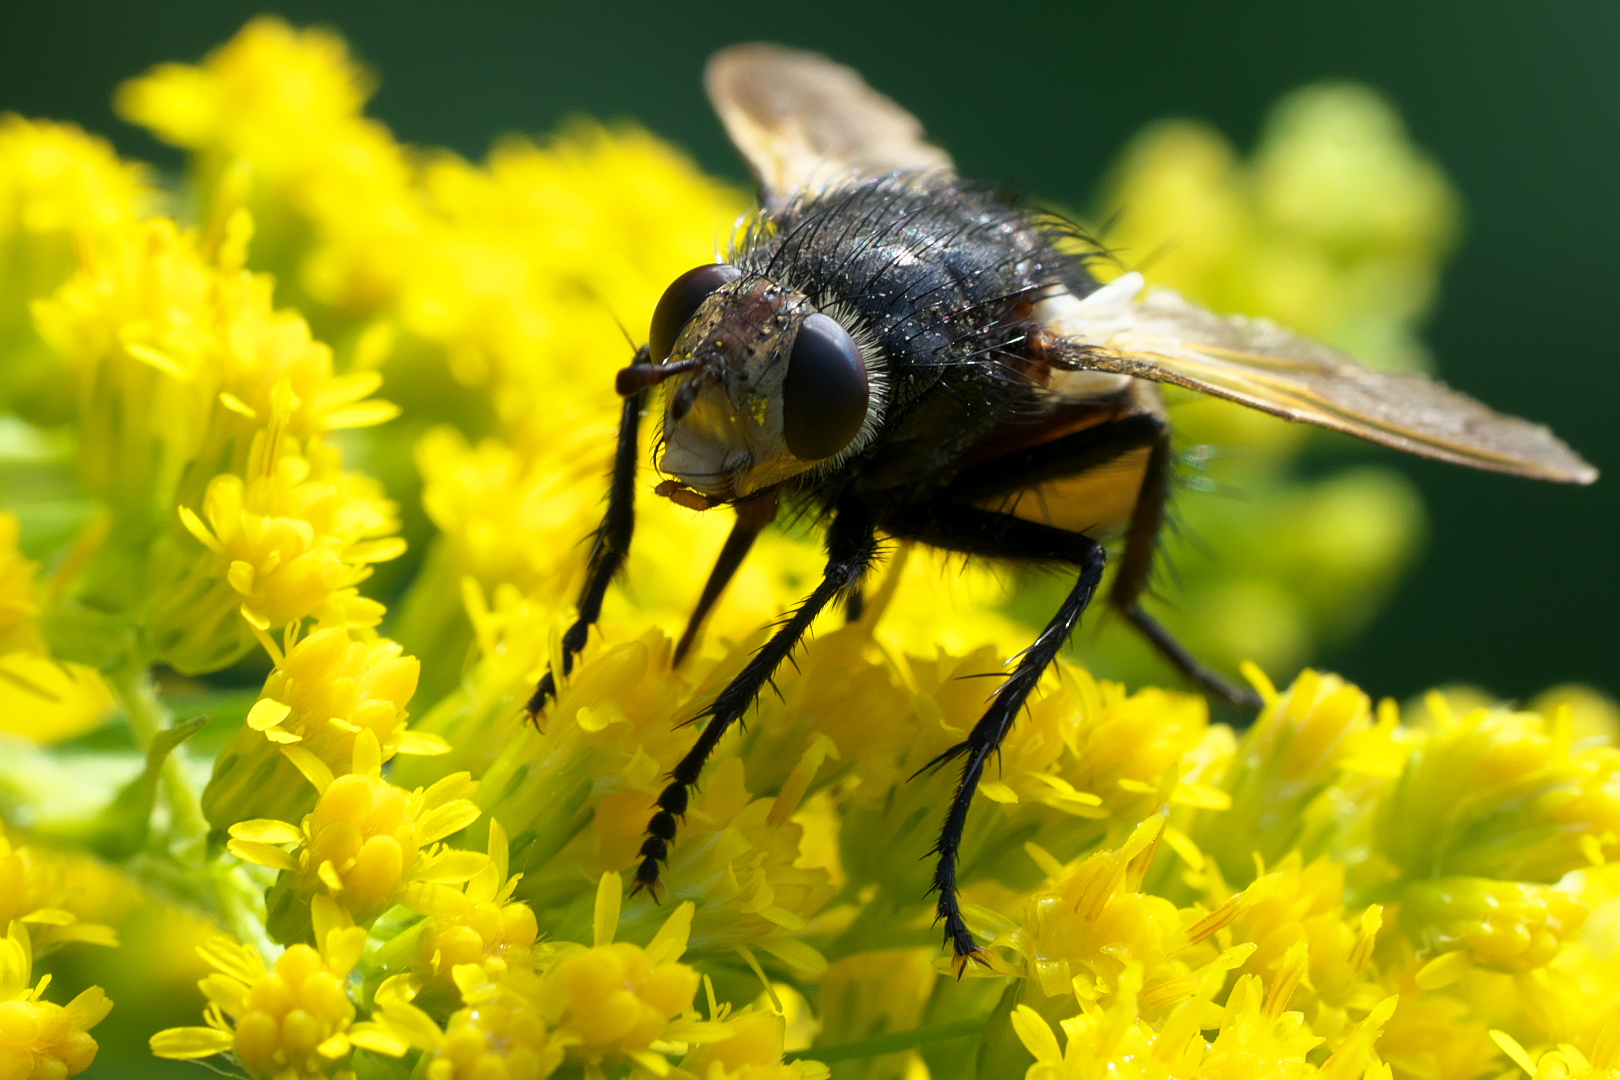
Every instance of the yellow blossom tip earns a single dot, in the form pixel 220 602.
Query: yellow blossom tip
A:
pixel 266 714
pixel 190 1043
pixel 1444 970
pixel 316 771
pixel 368 757
pixel 157 359
pixel 669 944
pixel 1036 1035
pixel 1510 1046
pixel 609 896
pixel 1258 679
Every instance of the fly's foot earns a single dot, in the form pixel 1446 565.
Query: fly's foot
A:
pixel 959 962
pixel 647 879
pixel 573 643
pixel 660 835
pixel 958 938
pixel 545 692
pixel 964 949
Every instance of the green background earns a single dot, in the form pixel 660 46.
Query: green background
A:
pixel 1517 588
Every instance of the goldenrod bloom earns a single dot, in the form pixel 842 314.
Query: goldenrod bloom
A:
pixel 202 394
pixel 753 1051
pixel 614 1000
pixel 40 1039
pixel 41 698
pixel 1503 794
pixel 326 689
pixel 58 186
pixel 35 889
pixel 477 924
pixel 292 1019
pixel 501 1034
pixel 367 840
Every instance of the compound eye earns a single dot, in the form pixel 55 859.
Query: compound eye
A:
pixel 825 393
pixel 681 301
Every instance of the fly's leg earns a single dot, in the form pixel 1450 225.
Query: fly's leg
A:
pixel 609 547
pixel 982 532
pixel 753 514
pixel 854 605
pixel 1191 668
pixel 1135 566
pixel 851 546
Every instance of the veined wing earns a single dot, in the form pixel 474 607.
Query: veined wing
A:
pixel 1165 338
pixel 804 122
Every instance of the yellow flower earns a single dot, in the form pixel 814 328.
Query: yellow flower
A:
pixel 1337 227
pixel 877 992
pixel 606 743
pixel 326 689
pixel 1093 921
pixel 40 1039
pixel 477 922
pixel 264 95
pixel 1256 1038
pixel 1504 795
pixel 499 1034
pixel 134 324
pixel 36 889
pixel 57 185
pixel 1600 1061
pixel 1164 897
pixel 608 213
pixel 287 103
pixel 57 181
pixel 1294 904
pixel 737 861
pixel 291 537
pixel 198 384
pixel 615 1001
pixel 41 698
pixel 1506 925
pixel 753 1051
pixel 1318 733
pixel 366 842
pixel 292 1020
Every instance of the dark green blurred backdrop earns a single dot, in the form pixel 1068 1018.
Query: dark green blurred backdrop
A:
pixel 1518 587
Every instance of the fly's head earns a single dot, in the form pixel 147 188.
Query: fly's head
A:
pixel 765 386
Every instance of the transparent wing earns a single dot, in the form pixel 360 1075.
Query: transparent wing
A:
pixel 804 122
pixel 1255 362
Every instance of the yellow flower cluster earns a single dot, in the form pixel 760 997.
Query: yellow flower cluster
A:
pixel 416 882
pixel 291 1019
pixel 198 392
pixel 41 698
pixel 39 1039
pixel 35 890
pixel 57 186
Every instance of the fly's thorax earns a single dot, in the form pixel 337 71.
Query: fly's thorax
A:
pixel 777 388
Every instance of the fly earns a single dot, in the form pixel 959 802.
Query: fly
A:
pixel 909 354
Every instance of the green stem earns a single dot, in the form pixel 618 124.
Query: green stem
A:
pixel 148 716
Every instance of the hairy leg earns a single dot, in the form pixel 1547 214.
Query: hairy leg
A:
pixel 1135 567
pixel 851 546
pixel 982 532
pixel 752 516
pixel 608 549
